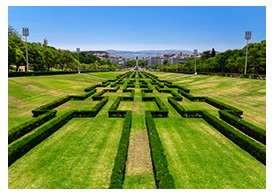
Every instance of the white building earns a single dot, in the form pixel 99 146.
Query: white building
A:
pixel 155 60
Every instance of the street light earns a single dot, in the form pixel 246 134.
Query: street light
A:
pixel 26 33
pixel 195 53
pixel 247 37
pixel 78 50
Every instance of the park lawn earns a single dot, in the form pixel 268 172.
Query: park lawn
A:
pixel 199 157
pixel 248 95
pixel 79 155
pixel 27 93
pixel 139 171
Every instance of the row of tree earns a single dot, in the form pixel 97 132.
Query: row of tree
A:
pixel 232 61
pixel 46 58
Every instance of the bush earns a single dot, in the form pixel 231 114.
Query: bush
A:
pixel 84 96
pixel 98 96
pixel 244 126
pixel 176 96
pixel 146 98
pixel 164 180
pixel 253 147
pixel 118 172
pixel 223 106
pixel 191 97
pixel 45 108
pixel 27 127
pixel 24 145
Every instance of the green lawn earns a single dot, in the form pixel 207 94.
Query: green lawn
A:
pixel 81 154
pixel 248 95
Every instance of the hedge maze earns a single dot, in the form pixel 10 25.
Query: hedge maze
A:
pixel 247 136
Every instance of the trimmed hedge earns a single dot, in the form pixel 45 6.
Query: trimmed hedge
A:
pixel 84 96
pixel 21 147
pixel 45 108
pixel 112 90
pixel 184 113
pixel 98 95
pixel 18 149
pixel 27 127
pixel 256 149
pixel 191 97
pixel 176 96
pixel 146 98
pixel 163 178
pixel 244 126
pixel 118 172
pixel 223 106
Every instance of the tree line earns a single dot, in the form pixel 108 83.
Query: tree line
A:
pixel 47 58
pixel 230 61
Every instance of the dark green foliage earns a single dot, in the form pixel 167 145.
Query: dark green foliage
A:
pixel 176 96
pixel 163 178
pixel 119 168
pixel 191 97
pixel 111 90
pixel 84 96
pixel 223 106
pixel 43 109
pixel 146 98
pixel 24 145
pixel 26 127
pixel 244 126
pixel 21 147
pixel 160 90
pixel 98 95
pixel 253 147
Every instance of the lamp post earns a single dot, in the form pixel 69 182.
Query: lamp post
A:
pixel 26 33
pixel 247 37
pixel 78 50
pixel 195 53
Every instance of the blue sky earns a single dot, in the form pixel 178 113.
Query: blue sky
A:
pixel 141 28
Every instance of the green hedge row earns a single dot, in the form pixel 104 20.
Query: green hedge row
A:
pixel 176 96
pixel 163 178
pixel 244 126
pixel 223 106
pixel 160 90
pixel 84 96
pixel 118 172
pixel 146 98
pixel 45 108
pixel 112 89
pixel 27 127
pixel 253 147
pixel 98 96
pixel 191 97
pixel 97 85
pixel 256 149
pixel 21 147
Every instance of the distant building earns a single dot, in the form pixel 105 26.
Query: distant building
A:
pixel 114 60
pixel 155 60
pixel 173 60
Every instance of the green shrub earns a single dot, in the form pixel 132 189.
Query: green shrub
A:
pixel 164 180
pixel 27 127
pixel 176 96
pixel 98 96
pixel 223 106
pixel 244 126
pixel 21 147
pixel 84 96
pixel 191 97
pixel 118 172
pixel 253 147
pixel 45 108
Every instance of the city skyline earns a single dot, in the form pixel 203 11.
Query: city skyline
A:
pixel 138 28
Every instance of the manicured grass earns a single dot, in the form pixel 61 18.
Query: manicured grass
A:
pixel 139 171
pixel 27 93
pixel 248 95
pixel 200 157
pixel 81 154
